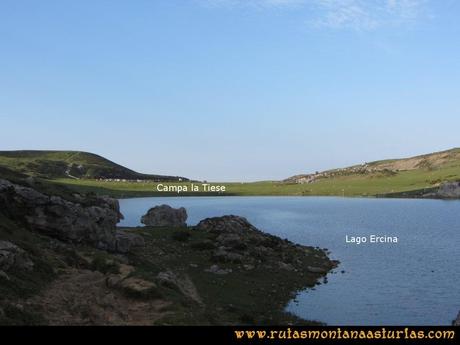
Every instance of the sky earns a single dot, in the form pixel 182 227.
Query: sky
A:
pixel 231 90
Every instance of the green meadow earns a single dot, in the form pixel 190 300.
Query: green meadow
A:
pixel 87 172
pixel 352 185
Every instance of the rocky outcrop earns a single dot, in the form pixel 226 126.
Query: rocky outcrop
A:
pixel 13 257
pixel 93 224
pixel 449 190
pixel 446 190
pixel 165 215
pixel 230 227
pixel 237 241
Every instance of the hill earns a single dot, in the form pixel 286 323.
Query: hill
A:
pixel 419 176
pixel 427 163
pixel 386 176
pixel 71 164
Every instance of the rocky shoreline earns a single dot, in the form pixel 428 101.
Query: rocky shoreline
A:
pixel 63 261
pixel 445 191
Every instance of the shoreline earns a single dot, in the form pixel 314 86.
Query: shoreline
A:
pixel 65 250
pixel 237 293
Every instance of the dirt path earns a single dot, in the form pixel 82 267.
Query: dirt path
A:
pixel 81 297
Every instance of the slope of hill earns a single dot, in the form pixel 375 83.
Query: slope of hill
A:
pixel 71 164
pixel 427 170
pixel 419 176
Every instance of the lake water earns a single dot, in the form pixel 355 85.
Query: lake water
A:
pixel 413 282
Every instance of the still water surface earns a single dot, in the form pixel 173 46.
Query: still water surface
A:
pixel 413 282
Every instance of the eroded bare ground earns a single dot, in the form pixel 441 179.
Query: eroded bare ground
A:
pixel 82 297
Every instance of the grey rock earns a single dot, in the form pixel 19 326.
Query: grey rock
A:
pixel 217 270
pixel 65 220
pixel 182 284
pixel 165 215
pixel 13 257
pixel 222 255
pixel 226 224
pixel 126 241
pixel 449 190
pixel 169 279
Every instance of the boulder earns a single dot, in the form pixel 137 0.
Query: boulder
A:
pixel 13 257
pixel 69 221
pixel 182 284
pixel 165 215
pixel 227 224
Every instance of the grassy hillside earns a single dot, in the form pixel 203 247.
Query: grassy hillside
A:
pixel 388 177
pixel 70 164
pixel 424 164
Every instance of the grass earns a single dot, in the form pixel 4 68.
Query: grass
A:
pixel 20 283
pixel 351 185
pixel 55 164
pixel 257 296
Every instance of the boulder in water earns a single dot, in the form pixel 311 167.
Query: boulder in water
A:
pixel 165 215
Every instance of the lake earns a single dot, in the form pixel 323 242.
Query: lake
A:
pixel 412 282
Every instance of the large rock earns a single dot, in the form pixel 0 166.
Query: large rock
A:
pixel 236 241
pixel 182 284
pixel 76 222
pixel 231 224
pixel 449 190
pixel 165 215
pixel 138 286
pixel 13 257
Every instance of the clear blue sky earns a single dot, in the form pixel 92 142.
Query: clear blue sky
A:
pixel 230 89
